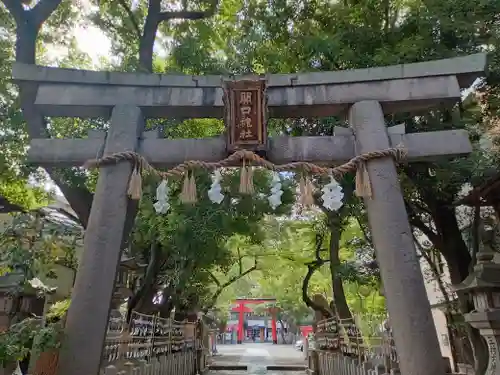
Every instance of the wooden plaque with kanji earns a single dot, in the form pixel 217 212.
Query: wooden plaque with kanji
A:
pixel 246 114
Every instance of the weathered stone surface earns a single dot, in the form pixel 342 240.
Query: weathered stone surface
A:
pixel 69 92
pixel 407 302
pixel 84 100
pixel 466 68
pixel 169 152
pixel 90 303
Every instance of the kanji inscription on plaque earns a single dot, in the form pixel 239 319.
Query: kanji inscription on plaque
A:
pixel 245 108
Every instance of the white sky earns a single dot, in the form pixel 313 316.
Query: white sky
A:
pixel 92 41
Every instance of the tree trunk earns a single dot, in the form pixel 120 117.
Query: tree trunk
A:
pixel 448 305
pixel 147 40
pixel 452 246
pixel 283 337
pixel 28 24
pixel 147 289
pixel 339 298
pixel 305 295
pixel 458 258
pixel 26 36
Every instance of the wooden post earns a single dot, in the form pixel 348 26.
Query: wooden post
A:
pixel 407 302
pixel 90 305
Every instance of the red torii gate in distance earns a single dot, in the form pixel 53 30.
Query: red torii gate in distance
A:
pixel 242 308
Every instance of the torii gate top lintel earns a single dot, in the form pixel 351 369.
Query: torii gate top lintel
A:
pixel 466 68
pixel 398 88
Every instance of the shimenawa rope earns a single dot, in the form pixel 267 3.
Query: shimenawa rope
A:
pixel 248 159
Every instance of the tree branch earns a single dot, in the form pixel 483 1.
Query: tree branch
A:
pixel 43 10
pixel 214 279
pixel 80 199
pixel 15 8
pixel 311 268
pixel 232 280
pixel 318 203
pixel 153 19
pixel 186 15
pixel 239 276
pixel 28 23
pixel 364 229
pixel 418 223
pixel 147 282
pixel 421 207
pixel 131 16
pixel 240 263
pixel 189 15
pixel 319 244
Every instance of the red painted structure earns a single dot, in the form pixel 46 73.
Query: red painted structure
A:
pixel 242 308
pixel 305 330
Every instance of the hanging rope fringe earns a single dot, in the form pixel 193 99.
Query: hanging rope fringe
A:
pixel 134 190
pixel 184 196
pixel 188 193
pixel 249 188
pixel 356 164
pixel 243 178
pixel 302 189
pixel 363 182
pixel 246 179
pixel 306 189
pixel 193 198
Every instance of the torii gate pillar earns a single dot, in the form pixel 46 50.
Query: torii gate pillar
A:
pixel 407 302
pixel 88 313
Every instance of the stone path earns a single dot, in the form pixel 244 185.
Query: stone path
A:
pixel 257 357
pixel 238 372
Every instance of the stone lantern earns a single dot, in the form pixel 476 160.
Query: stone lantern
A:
pixel 483 285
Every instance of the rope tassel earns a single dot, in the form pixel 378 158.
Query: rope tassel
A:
pixel 363 182
pixel 306 189
pixel 192 189
pixel 249 184
pixel 134 190
pixel 246 179
pixel 243 178
pixel 188 193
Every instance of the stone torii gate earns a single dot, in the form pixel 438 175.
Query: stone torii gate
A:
pixel 363 95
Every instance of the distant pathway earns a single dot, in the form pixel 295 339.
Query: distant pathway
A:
pixel 256 357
